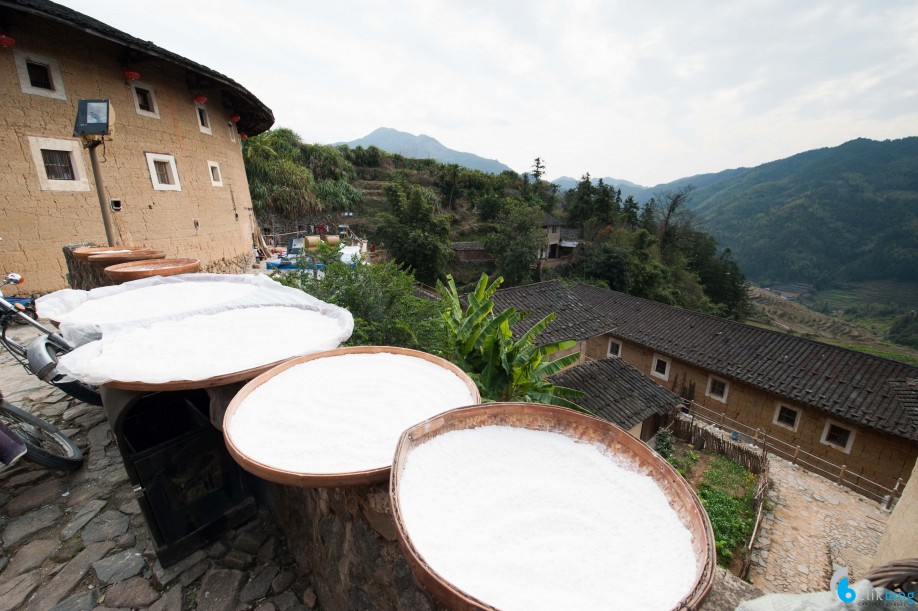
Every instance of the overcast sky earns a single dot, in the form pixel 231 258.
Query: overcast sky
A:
pixel 643 91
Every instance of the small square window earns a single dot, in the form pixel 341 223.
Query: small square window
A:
pixel 145 100
pixel 787 417
pixel 615 348
pixel 232 130
pixel 39 75
pixel 59 164
pixel 216 178
pixel 838 436
pixel 163 172
pixel 717 389
pixel 203 120
pixel 660 367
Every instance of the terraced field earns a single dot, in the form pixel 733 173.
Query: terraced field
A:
pixel 780 314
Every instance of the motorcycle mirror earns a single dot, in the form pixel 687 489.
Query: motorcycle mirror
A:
pixel 13 279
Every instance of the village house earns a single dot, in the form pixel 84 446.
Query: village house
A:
pixel 172 167
pixel 844 407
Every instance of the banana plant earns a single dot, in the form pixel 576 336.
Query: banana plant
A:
pixel 482 344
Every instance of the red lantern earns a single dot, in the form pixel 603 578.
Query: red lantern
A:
pixel 243 136
pixel 235 118
pixel 7 41
pixel 200 99
pixel 131 75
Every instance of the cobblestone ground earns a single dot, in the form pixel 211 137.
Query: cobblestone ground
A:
pixel 77 541
pixel 814 527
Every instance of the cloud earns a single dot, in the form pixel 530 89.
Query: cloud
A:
pixel 644 92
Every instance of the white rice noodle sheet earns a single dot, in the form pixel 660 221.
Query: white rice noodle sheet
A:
pixel 205 346
pixel 55 305
pixel 141 302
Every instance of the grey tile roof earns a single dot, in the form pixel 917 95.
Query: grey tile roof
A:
pixel 617 392
pixel 548 220
pixel 256 117
pixel 859 387
pixel 570 233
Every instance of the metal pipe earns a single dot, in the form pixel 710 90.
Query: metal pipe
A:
pixel 100 191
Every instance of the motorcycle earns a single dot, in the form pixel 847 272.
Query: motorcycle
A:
pixel 40 356
pixel 25 435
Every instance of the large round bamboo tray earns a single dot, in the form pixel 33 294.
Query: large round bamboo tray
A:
pixel 125 272
pixel 581 428
pixel 221 380
pixel 324 480
pixel 113 258
pixel 84 252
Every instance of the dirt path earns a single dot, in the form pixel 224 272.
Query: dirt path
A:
pixel 813 528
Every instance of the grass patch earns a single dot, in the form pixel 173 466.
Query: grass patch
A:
pixel 727 492
pixel 886 354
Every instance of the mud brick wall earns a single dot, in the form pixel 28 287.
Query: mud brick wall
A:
pixel 877 456
pixel 345 537
pixel 203 221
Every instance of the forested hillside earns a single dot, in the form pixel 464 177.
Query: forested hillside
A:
pixel 837 214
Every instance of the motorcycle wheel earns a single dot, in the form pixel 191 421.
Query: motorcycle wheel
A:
pixel 45 444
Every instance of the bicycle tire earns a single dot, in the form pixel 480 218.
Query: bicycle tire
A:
pixel 45 444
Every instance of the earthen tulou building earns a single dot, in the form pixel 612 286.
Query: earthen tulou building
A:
pixel 173 164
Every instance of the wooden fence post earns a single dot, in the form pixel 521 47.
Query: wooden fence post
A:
pixel 841 474
pixel 796 454
pixel 892 494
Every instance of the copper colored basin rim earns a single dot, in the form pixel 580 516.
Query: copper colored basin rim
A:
pixel 579 427
pixel 324 480
pixel 107 259
pixel 123 272
pixel 84 252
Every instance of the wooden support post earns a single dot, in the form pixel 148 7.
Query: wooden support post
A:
pixel 796 454
pixel 892 494
pixel 841 474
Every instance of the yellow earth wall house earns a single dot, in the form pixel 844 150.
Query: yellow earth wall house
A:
pixel 877 456
pixel 846 408
pixel 205 213
pixel 900 540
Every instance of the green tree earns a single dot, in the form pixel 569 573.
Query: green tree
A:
pixel 414 232
pixel 278 183
pixel 482 344
pixel 517 241
pixel 381 299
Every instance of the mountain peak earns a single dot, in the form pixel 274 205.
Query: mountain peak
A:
pixel 425 147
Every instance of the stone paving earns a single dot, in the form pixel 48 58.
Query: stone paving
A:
pixel 77 541
pixel 813 528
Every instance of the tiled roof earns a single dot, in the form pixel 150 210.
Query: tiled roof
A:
pixel 256 117
pixel 570 233
pixel 548 220
pixel 618 392
pixel 859 387
pixel 468 246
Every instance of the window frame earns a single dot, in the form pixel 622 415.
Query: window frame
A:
pixel 154 177
pixel 154 114
pixel 74 148
pixel 618 352
pixel 22 59
pixel 210 170
pixel 708 393
pixel 823 439
pixel 797 417
pixel 205 129
pixel 232 130
pixel 653 367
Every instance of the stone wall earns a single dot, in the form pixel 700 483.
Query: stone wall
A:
pixel 204 221
pixel 346 538
pixel 877 456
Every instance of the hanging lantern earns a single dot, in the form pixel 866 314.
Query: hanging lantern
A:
pixel 200 99
pixel 235 118
pixel 7 41
pixel 131 75
pixel 242 136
